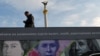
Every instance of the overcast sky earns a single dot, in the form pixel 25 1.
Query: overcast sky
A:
pixel 61 13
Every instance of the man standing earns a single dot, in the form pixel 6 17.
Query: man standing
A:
pixel 29 21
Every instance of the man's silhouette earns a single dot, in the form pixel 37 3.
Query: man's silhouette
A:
pixel 29 21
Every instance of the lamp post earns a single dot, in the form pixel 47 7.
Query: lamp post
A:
pixel 45 13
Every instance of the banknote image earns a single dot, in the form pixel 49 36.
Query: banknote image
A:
pixel 14 48
pixel 49 48
pixel 82 47
pixel 32 48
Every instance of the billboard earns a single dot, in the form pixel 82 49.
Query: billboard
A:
pixel 51 41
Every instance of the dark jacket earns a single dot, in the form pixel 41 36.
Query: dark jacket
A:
pixel 30 21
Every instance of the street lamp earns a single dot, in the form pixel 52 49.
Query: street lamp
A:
pixel 45 13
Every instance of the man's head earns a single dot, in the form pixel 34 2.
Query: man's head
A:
pixel 81 47
pixel 48 47
pixel 26 13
